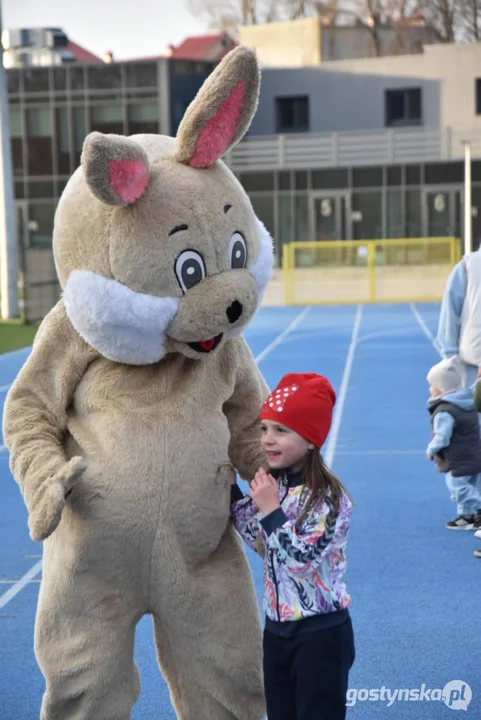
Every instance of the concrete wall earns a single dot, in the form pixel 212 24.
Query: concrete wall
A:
pixel 341 100
pixel 284 44
pixel 305 42
pixel 454 67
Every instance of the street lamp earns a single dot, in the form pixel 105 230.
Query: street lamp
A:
pixel 8 236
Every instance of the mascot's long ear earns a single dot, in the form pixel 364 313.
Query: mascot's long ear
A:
pixel 222 111
pixel 116 168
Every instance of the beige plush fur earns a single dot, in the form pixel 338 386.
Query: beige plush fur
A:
pixel 121 426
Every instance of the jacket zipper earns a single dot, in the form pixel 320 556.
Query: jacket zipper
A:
pixel 273 570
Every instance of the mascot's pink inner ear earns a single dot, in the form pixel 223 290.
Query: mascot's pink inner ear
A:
pixel 215 137
pixel 128 178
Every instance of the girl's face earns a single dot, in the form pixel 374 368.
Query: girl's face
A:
pixel 284 447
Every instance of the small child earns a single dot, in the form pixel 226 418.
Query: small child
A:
pixel 456 443
pixel 299 522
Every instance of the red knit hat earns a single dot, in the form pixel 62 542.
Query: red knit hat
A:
pixel 303 402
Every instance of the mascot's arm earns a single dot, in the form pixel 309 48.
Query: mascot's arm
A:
pixel 35 420
pixel 242 412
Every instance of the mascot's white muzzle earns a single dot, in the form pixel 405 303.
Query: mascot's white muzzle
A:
pixel 130 327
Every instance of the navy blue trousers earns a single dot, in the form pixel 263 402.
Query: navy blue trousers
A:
pixel 306 676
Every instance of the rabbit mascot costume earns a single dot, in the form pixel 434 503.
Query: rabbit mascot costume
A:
pixel 139 393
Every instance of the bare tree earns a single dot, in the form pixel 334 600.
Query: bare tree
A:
pixel 470 20
pixel 230 14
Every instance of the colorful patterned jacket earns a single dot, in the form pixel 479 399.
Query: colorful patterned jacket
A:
pixel 304 569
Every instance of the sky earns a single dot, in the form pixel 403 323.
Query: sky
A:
pixel 129 28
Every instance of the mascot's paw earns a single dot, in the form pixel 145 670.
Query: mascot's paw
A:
pixel 50 501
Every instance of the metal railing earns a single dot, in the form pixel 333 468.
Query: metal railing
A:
pixel 368 271
pixel 374 147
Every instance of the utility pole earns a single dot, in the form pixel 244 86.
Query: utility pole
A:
pixel 468 216
pixel 8 235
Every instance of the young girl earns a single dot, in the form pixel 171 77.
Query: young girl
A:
pixel 300 522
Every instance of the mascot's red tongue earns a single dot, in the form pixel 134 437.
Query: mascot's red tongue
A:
pixel 207 344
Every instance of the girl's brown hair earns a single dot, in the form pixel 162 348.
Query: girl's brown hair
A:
pixel 321 484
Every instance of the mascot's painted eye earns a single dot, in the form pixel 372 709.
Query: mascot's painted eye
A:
pixel 190 269
pixel 237 252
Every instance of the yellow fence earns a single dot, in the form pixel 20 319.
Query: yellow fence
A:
pixel 368 271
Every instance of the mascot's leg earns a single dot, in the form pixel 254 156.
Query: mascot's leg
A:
pixel 209 637
pixel 84 644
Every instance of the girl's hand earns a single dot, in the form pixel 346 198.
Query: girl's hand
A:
pixel 264 492
pixel 232 475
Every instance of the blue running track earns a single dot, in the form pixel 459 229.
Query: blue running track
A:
pixel 415 586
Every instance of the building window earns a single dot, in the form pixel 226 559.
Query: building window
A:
pixel 292 114
pixel 403 107
pixel 16 139
pixel 39 132
pixel 107 119
pixel 143 119
pixel 478 96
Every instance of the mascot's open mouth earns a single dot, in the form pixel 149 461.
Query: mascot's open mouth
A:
pixel 205 346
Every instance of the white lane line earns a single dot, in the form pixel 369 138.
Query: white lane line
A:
pixel 425 328
pixel 338 409
pixel 20 584
pixel 31 574
pixel 280 338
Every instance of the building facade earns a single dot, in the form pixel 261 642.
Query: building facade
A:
pixel 52 109
pixel 364 150
pixel 311 41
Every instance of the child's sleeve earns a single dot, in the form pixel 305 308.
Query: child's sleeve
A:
pixel 244 514
pixel 297 550
pixel 452 305
pixel 443 429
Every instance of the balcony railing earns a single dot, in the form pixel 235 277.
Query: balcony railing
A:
pixel 320 150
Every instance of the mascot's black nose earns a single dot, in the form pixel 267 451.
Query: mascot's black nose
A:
pixel 234 311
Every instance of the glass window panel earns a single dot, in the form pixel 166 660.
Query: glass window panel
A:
pixel 59 78
pixel 292 113
pixel 438 173
pixel 62 138
pixel 394 175
pixel 15 123
pixel 395 227
pixel 143 119
pixel 301 215
pixel 39 122
pixel 285 221
pixel 76 76
pixel 103 77
pixel 413 213
pixel 107 119
pixel 35 80
pixel 141 75
pixel 367 177
pixel 330 179
pixel 413 175
pixel 367 215
pixel 40 190
pixel 79 132
pixel 13 81
pixel 301 180
pixel 42 215
pixel 257 182
pixel 284 181
pixel 39 132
